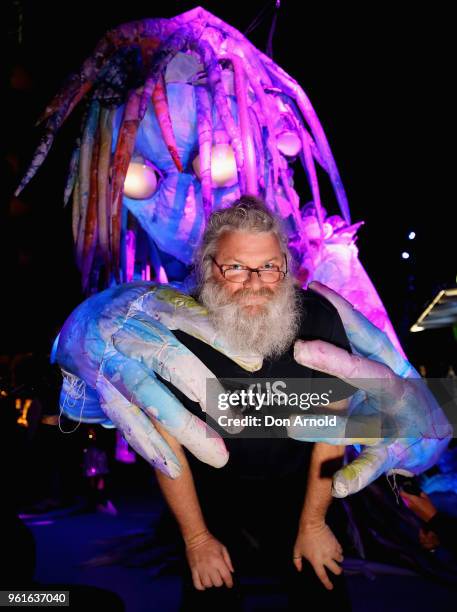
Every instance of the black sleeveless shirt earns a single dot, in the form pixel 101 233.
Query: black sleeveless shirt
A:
pixel 263 458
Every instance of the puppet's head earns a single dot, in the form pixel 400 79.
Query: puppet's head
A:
pixel 183 116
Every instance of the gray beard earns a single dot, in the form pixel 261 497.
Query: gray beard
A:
pixel 268 331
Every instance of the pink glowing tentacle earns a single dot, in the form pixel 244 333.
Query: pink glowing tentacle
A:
pixel 250 167
pixel 210 61
pixel 292 88
pixel 162 113
pixel 205 138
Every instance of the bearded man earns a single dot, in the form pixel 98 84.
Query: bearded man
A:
pixel 265 511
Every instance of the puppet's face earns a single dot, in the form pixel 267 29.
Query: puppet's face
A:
pixel 166 202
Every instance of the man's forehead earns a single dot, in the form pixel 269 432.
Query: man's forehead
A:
pixel 249 244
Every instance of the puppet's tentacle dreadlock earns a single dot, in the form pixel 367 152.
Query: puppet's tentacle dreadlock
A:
pixel 296 119
pixel 205 138
pixel 91 229
pixel 292 88
pixel 310 169
pixel 75 212
pixel 265 113
pixel 211 63
pixel 72 173
pixel 155 88
pixel 43 148
pixel 104 196
pixel 85 162
pixel 143 33
pixel 156 64
pixel 292 197
pixel 258 79
pixel 79 84
pixel 260 156
pixel 162 113
pixel 247 142
pixel 122 156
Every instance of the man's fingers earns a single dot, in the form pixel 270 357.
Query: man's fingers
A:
pixel 298 563
pixel 334 567
pixel 207 580
pixel 196 580
pixel 216 577
pixel 226 556
pixel 226 576
pixel 322 575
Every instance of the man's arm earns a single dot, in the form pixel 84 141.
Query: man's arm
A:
pixel 326 459
pixel 315 541
pixel 180 494
pixel 208 558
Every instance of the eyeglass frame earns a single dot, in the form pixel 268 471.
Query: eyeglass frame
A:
pixel 251 270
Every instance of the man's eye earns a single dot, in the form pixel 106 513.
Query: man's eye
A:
pixel 236 267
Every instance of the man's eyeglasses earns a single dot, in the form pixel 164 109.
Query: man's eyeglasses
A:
pixel 236 273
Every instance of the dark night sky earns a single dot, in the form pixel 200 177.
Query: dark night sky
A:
pixel 378 79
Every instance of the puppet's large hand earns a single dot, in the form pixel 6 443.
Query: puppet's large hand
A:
pixel 112 349
pixel 391 394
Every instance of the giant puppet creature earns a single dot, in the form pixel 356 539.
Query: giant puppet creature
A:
pixel 182 116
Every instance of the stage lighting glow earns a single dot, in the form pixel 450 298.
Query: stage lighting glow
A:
pixel 412 235
pixel 405 255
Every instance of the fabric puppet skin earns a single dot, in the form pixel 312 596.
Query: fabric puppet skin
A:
pixel 113 345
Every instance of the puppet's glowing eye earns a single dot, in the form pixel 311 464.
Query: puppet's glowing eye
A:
pixel 288 143
pixel 223 166
pixel 141 181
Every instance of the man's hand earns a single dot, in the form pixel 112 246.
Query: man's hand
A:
pixel 209 562
pixel 320 547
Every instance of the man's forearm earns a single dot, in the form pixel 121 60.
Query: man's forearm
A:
pixel 181 496
pixel 325 461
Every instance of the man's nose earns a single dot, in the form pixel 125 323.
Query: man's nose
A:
pixel 254 282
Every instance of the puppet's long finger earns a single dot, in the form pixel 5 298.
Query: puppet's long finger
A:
pixel 369 465
pixel 143 390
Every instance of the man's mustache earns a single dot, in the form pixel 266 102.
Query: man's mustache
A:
pixel 243 292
